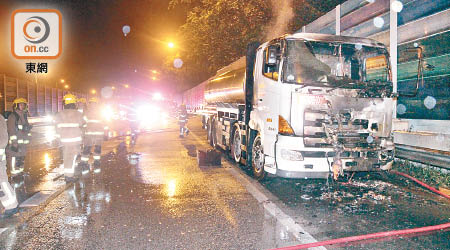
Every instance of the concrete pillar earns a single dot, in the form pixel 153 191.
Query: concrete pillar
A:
pixel 338 20
pixel 393 50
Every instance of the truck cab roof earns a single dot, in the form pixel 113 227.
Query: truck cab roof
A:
pixel 333 38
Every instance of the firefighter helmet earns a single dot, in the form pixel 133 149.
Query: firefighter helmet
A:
pixel 69 98
pixel 20 100
pixel 82 100
pixel 93 99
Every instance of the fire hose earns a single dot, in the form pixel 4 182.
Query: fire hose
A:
pixel 421 183
pixel 369 237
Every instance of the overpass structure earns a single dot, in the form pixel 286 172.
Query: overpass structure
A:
pixel 422 124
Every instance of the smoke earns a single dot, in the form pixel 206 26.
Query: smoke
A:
pixel 282 15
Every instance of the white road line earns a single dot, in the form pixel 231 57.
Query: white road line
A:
pixel 3 230
pixel 300 234
pixel 37 199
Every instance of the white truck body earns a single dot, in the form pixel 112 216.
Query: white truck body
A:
pixel 325 110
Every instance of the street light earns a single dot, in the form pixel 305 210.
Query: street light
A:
pixel 113 88
pixel 66 86
pixel 171 45
pixel 62 81
pixel 93 91
pixel 154 78
pixel 126 86
pixel 155 71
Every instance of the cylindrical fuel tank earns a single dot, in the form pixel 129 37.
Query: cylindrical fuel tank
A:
pixel 228 85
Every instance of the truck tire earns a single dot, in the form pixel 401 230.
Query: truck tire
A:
pixel 258 159
pixel 236 142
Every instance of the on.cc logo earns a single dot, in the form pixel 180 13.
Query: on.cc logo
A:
pixel 36 29
pixel 36 34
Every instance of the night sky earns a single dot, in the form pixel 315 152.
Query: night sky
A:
pixel 95 51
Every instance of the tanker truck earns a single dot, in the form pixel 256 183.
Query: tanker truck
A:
pixel 304 106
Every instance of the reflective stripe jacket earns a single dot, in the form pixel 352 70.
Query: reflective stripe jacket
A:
pixel 69 124
pixel 17 128
pixel 3 136
pixel 95 126
pixel 183 116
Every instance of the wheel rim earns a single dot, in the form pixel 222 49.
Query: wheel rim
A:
pixel 237 146
pixel 258 156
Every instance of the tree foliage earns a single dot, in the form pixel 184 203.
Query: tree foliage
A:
pixel 217 32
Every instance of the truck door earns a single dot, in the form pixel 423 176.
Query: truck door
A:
pixel 267 79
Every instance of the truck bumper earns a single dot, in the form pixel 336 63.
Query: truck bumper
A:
pixel 313 165
pixel 316 162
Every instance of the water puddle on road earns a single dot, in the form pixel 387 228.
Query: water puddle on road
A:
pixel 38 163
pixel 191 150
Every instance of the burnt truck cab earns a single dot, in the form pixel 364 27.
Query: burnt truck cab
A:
pixel 322 104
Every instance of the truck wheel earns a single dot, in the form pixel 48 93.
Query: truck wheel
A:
pixel 258 159
pixel 236 145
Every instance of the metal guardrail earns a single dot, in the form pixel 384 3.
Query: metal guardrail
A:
pixel 423 155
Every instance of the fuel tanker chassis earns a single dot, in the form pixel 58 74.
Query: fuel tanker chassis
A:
pixel 304 106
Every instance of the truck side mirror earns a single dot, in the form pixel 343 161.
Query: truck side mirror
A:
pixel 419 51
pixel 271 59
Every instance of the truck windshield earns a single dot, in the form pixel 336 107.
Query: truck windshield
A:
pixel 335 64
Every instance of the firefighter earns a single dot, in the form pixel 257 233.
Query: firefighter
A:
pixel 19 131
pixel 69 123
pixel 81 104
pixel 94 134
pixel 7 194
pixel 183 119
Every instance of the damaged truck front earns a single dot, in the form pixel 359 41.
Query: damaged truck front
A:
pixel 341 105
pixel 306 106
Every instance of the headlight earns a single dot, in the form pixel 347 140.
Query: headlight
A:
pixel 147 113
pixel 48 118
pixel 291 155
pixel 108 112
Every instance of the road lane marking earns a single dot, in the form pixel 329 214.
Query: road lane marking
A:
pixel 3 230
pixel 37 198
pixel 299 233
pixel 295 229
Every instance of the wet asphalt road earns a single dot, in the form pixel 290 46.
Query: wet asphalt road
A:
pixel 167 201
pixel 42 157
